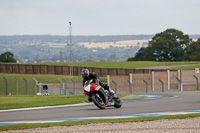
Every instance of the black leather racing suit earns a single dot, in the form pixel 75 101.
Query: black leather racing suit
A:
pixel 96 79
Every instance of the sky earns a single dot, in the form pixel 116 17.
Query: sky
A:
pixel 98 17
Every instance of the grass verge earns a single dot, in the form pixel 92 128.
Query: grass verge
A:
pixel 185 67
pixel 40 78
pixel 129 64
pixel 71 123
pixel 26 101
pixel 45 78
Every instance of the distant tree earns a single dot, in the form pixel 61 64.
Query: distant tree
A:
pixel 144 54
pixel 193 52
pixel 169 45
pixel 7 57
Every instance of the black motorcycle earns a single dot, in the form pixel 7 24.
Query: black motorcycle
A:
pixel 100 97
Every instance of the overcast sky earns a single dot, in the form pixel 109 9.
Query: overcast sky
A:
pixel 98 17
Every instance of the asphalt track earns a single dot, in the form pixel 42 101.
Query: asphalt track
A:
pixel 167 102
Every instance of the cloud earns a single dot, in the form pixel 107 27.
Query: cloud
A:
pixel 98 17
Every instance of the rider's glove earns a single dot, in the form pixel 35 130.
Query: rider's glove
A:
pixel 106 87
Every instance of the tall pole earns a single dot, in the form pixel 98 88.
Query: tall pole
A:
pixel 70 55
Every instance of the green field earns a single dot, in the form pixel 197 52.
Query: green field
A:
pixel 186 67
pixel 45 78
pixel 25 101
pixel 11 82
pixel 72 123
pixel 131 64
pixel 41 78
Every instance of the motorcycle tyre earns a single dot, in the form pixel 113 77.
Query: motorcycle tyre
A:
pixel 100 106
pixel 118 103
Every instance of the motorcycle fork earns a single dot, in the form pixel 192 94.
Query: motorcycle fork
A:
pixel 110 98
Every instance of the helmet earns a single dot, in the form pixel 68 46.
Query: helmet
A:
pixel 85 73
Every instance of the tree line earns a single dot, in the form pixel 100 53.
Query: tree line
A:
pixel 170 45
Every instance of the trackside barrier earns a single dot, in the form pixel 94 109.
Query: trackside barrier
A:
pixel 63 88
pixel 6 85
pixel 26 85
pixel 168 79
pixel 61 85
pixel 73 88
pixel 162 85
pixel 197 81
pixel 136 82
pixel 17 85
pixel 36 84
pixel 179 81
pixel 146 85
pixel 108 80
pixel 115 84
pixel 152 82
pixel 63 70
pixel 64 85
pixel 131 88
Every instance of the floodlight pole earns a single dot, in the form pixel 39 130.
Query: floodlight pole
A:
pixel 70 55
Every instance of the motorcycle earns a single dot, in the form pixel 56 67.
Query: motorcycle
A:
pixel 100 97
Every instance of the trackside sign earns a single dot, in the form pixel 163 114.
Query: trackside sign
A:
pixel 196 70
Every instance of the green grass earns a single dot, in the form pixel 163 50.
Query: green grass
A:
pixel 25 101
pixel 11 83
pixel 131 64
pixel 186 67
pixel 71 123
pixel 40 78
pixel 45 78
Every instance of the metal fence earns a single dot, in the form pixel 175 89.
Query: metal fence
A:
pixel 22 86
pixel 64 87
pixel 17 86
pixel 120 84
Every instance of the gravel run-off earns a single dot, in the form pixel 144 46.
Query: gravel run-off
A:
pixel 189 125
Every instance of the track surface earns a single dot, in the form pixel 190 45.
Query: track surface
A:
pixel 171 101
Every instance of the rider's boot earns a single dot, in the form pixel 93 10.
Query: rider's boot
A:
pixel 89 98
pixel 111 91
pixel 106 87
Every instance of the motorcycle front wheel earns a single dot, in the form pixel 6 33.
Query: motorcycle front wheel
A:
pixel 98 101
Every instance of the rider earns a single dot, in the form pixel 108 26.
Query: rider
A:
pixel 96 79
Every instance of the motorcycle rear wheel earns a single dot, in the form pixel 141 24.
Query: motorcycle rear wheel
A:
pixel 98 101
